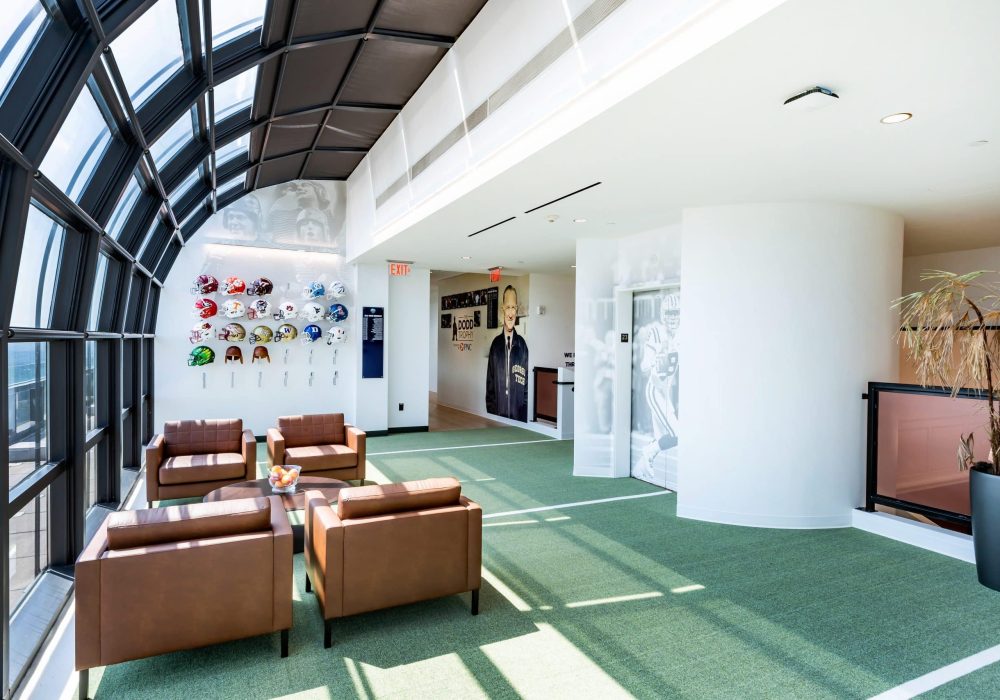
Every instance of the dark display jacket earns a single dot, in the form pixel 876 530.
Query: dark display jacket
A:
pixel 507 382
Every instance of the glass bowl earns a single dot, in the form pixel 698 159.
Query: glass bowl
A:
pixel 283 478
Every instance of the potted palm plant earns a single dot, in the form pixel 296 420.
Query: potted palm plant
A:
pixel 949 334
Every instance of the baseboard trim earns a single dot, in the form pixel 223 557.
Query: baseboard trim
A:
pixel 784 522
pixel 935 539
pixel 376 433
pixel 409 429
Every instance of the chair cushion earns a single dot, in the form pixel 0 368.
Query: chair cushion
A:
pixel 317 429
pixel 317 457
pixel 141 528
pixel 383 499
pixel 202 437
pixel 188 469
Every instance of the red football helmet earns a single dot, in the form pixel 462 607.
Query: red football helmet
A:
pixel 205 308
pixel 205 284
pixel 234 285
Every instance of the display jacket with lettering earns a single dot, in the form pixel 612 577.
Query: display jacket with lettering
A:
pixel 503 398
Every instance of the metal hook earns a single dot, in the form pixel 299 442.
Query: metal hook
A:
pixel 285 356
pixel 204 380
pixel 335 373
pixel 286 377
pixel 232 379
pixel 260 379
pixel 311 378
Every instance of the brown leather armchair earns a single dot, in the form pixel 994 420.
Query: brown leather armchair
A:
pixel 389 545
pixel 322 444
pixel 166 579
pixel 192 457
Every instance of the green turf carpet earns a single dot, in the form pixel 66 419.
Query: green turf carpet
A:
pixel 614 599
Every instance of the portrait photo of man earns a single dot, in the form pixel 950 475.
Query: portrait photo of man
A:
pixel 241 219
pixel 507 369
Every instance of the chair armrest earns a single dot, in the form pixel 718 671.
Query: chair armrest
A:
pixel 154 458
pixel 87 594
pixel 275 447
pixel 249 451
pixel 356 441
pixel 324 550
pixel 282 531
pixel 475 542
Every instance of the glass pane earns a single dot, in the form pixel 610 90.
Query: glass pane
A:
pixel 235 94
pixel 918 438
pixel 91 469
pixel 231 185
pixel 124 207
pixel 90 385
pixel 29 546
pixel 27 403
pixel 98 298
pixel 78 147
pixel 180 133
pixel 186 184
pixel 233 18
pixel 149 52
pixel 239 147
pixel 36 277
pixel 149 234
pixel 20 23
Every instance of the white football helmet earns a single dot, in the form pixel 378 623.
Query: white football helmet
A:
pixel 199 332
pixel 337 334
pixel 260 308
pixel 286 310
pixel 234 308
pixel 311 311
pixel 337 290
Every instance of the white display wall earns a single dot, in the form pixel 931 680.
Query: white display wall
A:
pixel 300 378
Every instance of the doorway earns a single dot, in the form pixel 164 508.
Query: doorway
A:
pixel 654 428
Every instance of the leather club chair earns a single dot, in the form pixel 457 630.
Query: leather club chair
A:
pixel 181 577
pixel 387 545
pixel 192 457
pixel 322 444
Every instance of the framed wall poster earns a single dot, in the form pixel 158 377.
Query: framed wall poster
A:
pixel 445 321
pixel 372 341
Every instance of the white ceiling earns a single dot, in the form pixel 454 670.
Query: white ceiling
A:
pixel 714 131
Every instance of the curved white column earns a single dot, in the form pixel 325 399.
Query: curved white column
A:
pixel 785 318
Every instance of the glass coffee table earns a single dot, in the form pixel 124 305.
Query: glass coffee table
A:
pixel 294 503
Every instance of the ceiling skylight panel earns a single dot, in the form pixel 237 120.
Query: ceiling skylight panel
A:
pixel 233 18
pixel 78 147
pixel 186 184
pixel 240 146
pixel 124 207
pixel 231 186
pixel 20 23
pixel 235 94
pixel 180 133
pixel 149 52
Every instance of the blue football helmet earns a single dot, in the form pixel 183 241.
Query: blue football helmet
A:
pixel 311 333
pixel 314 290
pixel 337 313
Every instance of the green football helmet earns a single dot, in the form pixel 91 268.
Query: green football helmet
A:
pixel 201 355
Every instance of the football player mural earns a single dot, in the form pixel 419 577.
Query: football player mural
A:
pixel 507 370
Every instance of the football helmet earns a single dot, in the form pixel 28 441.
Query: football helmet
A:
pixel 261 334
pixel 286 310
pixel 205 308
pixel 234 354
pixel 260 286
pixel 201 355
pixel 337 313
pixel 260 308
pixel 286 333
pixel 337 290
pixel 233 332
pixel 200 331
pixel 311 333
pixel 336 334
pixel 234 285
pixel 204 284
pixel 234 308
pixel 314 290
pixel 311 311
pixel 260 353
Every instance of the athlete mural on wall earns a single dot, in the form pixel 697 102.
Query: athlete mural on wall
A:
pixel 507 369
pixel 655 390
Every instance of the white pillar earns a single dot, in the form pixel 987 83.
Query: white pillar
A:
pixel 785 318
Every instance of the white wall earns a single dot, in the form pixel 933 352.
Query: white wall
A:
pixel 552 331
pixel 433 324
pixel 605 266
pixel 785 318
pixel 372 397
pixel 959 261
pixel 408 348
pixel 257 393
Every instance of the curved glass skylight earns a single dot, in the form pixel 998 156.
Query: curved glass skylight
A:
pixel 36 277
pixel 20 22
pixel 233 18
pixel 231 185
pixel 180 133
pixel 78 147
pixel 186 184
pixel 149 52
pixel 124 206
pixel 235 94
pixel 233 149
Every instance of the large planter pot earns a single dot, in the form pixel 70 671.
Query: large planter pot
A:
pixel 984 491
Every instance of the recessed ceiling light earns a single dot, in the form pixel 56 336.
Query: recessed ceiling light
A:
pixel 579 221
pixel 896 118
pixel 466 257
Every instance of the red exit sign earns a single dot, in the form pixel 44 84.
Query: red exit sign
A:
pixel 399 269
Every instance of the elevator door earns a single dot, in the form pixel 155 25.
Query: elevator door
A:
pixel 655 364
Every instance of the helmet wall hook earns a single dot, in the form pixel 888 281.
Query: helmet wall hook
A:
pixel 204 380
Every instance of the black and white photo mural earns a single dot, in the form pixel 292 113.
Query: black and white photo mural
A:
pixel 655 390
pixel 507 369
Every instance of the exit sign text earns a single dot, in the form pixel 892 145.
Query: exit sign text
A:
pixel 398 269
